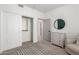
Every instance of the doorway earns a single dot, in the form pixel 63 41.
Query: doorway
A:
pixel 40 29
pixel 27 29
pixel 46 30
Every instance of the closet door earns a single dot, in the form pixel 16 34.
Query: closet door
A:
pixel 12 30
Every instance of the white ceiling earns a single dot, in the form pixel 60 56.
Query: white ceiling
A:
pixel 44 7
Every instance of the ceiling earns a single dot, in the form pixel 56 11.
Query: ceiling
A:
pixel 44 7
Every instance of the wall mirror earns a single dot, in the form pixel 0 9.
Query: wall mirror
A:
pixel 59 24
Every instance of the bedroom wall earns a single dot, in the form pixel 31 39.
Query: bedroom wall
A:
pixel 70 14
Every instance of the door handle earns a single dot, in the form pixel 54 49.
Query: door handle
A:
pixel 49 31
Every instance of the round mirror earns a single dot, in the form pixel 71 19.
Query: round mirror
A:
pixel 59 24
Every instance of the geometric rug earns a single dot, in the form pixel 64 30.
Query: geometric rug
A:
pixel 39 48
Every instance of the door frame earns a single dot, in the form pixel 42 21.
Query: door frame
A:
pixel 43 27
pixel 38 29
pixel 31 23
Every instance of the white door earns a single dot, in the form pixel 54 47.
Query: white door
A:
pixel 11 31
pixel 40 29
pixel 46 30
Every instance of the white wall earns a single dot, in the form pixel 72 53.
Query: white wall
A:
pixel 26 11
pixel 11 30
pixel 70 14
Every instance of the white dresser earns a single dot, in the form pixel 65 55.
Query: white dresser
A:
pixel 57 38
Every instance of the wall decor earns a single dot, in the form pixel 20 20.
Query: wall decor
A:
pixel 59 24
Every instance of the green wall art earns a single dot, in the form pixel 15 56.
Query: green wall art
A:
pixel 59 24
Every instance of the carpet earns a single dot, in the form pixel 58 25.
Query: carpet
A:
pixel 39 48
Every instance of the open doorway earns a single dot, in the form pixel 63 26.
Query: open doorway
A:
pixel 40 29
pixel 27 29
pixel 44 29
